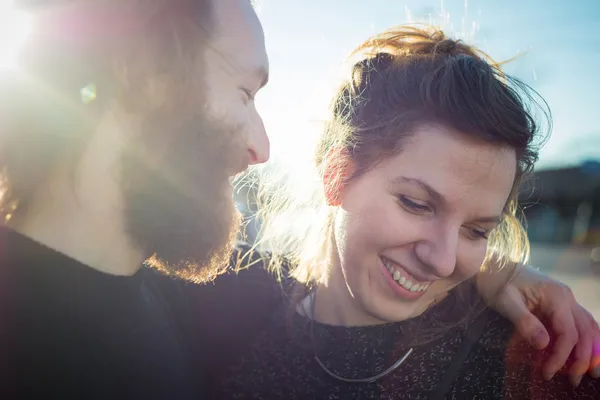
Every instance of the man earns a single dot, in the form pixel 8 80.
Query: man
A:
pixel 120 134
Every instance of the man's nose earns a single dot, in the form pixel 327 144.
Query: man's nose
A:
pixel 258 143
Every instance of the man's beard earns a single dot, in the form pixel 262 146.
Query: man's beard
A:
pixel 178 206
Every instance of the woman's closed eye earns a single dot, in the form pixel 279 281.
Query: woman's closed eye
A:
pixel 414 206
pixel 477 233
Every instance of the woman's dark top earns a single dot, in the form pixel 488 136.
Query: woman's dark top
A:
pixel 480 359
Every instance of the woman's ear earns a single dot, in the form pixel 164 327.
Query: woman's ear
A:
pixel 336 166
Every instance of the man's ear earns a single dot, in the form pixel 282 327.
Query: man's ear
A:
pixel 336 169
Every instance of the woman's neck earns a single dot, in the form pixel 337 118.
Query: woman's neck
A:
pixel 333 304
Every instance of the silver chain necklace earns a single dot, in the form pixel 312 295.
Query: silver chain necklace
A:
pixel 370 379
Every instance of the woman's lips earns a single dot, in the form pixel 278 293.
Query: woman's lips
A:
pixel 401 282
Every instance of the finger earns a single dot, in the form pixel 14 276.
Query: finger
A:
pixel 564 329
pixel 512 307
pixel 533 330
pixel 583 349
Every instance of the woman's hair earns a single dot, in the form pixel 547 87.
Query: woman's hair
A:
pixel 399 80
pixel 124 51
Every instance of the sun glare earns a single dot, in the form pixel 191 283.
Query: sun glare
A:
pixel 15 26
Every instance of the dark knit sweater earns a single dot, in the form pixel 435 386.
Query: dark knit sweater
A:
pixel 481 359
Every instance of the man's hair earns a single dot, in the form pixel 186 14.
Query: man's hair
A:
pixel 82 56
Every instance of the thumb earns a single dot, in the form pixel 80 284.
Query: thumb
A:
pixel 510 304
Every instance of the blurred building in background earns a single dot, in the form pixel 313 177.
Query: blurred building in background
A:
pixel 562 209
pixel 562 206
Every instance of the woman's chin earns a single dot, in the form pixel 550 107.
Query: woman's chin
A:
pixel 390 311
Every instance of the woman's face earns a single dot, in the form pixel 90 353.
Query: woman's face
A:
pixel 415 226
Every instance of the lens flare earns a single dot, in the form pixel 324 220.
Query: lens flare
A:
pixel 15 27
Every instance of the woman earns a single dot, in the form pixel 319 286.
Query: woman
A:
pixel 420 168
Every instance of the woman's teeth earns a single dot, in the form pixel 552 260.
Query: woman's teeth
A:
pixel 403 281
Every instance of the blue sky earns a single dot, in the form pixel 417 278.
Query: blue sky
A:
pixel 308 39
